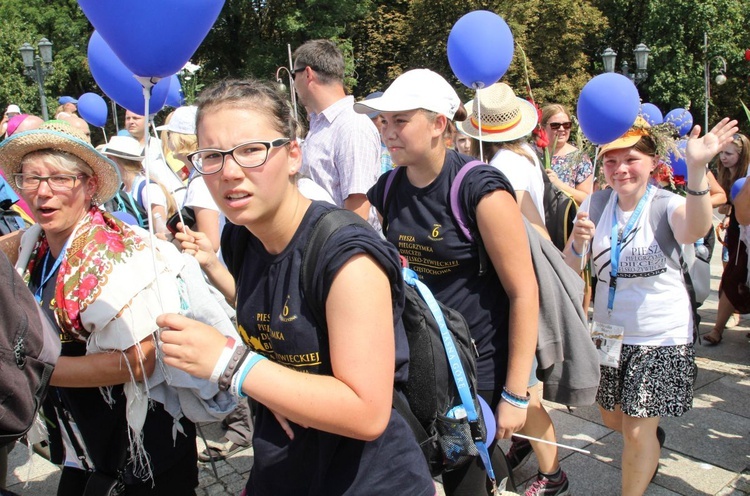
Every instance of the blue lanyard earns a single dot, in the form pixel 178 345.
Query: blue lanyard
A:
pixel 614 252
pixel 46 277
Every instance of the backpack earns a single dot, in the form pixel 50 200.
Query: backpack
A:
pixel 560 211
pixel 10 219
pixel 430 395
pixel 125 202
pixel 29 348
pixel 693 260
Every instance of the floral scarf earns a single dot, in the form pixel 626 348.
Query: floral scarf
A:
pixel 98 244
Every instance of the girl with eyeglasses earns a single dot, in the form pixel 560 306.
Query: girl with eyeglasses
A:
pixel 569 171
pixel 324 422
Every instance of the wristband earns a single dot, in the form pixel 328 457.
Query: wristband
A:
pixel 575 253
pixel 223 360
pixel 697 193
pixel 226 377
pixel 251 359
pixel 513 401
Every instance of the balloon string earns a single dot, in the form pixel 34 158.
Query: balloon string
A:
pixel 591 192
pixel 479 120
pixel 147 84
pixel 105 134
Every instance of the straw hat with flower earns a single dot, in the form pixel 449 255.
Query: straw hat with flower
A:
pixel 60 136
pixel 504 116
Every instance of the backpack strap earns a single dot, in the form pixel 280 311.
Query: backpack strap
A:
pixel 460 216
pixel 324 228
pixel 597 201
pixel 139 194
pixel 393 175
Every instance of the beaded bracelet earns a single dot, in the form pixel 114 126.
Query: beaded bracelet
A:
pixel 223 360
pixel 697 193
pixel 226 377
pixel 250 360
pixel 514 399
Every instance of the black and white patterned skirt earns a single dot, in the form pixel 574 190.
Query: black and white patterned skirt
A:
pixel 652 381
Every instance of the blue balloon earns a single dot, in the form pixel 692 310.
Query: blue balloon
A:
pixel 651 113
pixel 480 48
pixel 737 186
pixel 153 38
pixel 93 109
pixel 682 120
pixel 489 420
pixel 677 160
pixel 118 82
pixel 175 98
pixel 607 107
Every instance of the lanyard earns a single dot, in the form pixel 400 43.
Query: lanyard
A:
pixel 614 252
pixel 46 277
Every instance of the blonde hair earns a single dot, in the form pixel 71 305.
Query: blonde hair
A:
pixel 548 111
pixel 182 144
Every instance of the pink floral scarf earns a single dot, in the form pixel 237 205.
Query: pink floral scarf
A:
pixel 99 243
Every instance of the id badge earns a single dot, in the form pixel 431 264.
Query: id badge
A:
pixel 608 341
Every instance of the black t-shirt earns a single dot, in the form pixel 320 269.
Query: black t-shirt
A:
pixel 422 227
pixel 102 426
pixel 275 320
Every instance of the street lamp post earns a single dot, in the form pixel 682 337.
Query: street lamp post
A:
pixel 641 52
pixel 720 79
pixel 37 67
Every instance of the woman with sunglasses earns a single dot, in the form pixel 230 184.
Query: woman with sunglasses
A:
pixel 569 171
pixel 324 422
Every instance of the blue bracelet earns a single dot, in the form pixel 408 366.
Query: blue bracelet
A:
pixel 514 401
pixel 250 362
pixel 579 255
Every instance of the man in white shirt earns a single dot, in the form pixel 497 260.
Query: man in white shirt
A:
pixel 341 152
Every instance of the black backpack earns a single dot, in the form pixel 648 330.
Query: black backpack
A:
pixel 560 210
pixel 10 220
pixel 430 391
pixel 28 351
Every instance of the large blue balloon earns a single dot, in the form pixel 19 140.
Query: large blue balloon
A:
pixel 682 120
pixel 118 82
pixel 737 186
pixel 175 98
pixel 153 38
pixel 677 160
pixel 93 109
pixel 651 113
pixel 607 107
pixel 480 48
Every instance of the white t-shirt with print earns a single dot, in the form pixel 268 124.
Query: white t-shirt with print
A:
pixel 651 301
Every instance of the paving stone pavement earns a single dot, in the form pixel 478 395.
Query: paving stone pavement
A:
pixel 707 451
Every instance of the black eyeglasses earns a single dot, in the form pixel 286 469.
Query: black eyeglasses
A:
pixel 249 155
pixel 557 125
pixel 58 182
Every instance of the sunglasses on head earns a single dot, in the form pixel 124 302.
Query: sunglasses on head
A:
pixel 558 125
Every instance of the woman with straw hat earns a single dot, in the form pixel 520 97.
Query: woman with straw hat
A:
pixel 505 121
pixel 500 305
pixel 642 308
pixel 94 278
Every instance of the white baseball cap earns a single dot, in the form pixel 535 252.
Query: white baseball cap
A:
pixel 415 89
pixel 13 109
pixel 182 121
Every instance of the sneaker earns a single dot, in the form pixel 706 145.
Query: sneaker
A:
pixel 546 487
pixel 520 450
